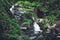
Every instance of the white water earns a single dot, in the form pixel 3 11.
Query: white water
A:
pixel 11 9
pixel 36 28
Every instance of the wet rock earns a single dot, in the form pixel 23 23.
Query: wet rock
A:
pixel 33 37
pixel 16 12
pixel 20 38
pixel 27 29
pixel 23 27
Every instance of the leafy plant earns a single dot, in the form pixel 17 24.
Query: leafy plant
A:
pixel 52 19
pixel 27 21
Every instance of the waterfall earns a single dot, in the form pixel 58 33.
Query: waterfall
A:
pixel 11 9
pixel 17 12
pixel 36 28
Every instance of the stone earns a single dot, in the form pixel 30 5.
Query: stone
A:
pixel 28 30
pixel 58 36
pixel 17 12
pixel 33 37
pixel 20 38
pixel 23 27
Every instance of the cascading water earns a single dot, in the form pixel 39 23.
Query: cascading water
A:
pixel 36 28
pixel 16 12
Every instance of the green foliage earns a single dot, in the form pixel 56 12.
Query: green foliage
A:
pixel 26 38
pixel 27 3
pixel 14 36
pixel 50 6
pixel 27 21
pixel 51 1
pixel 13 23
pixel 44 9
pixel 16 31
pixel 44 26
pixel 52 19
pixel 19 2
pixel 48 19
